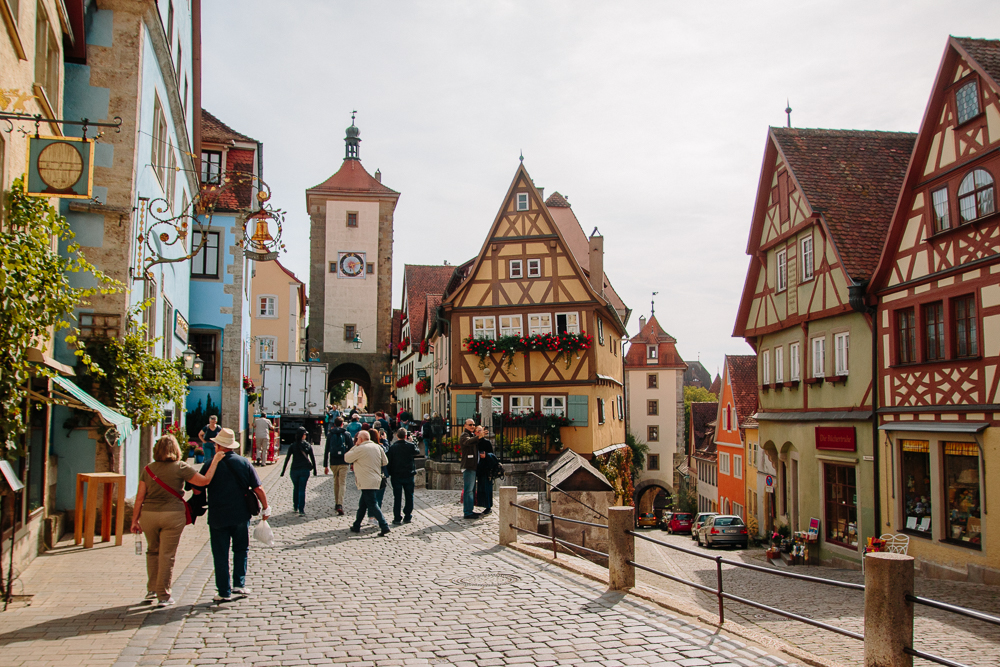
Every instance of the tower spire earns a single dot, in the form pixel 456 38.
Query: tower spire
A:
pixel 652 305
pixel 788 111
pixel 353 140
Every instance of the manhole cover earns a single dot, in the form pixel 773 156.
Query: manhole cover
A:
pixel 485 580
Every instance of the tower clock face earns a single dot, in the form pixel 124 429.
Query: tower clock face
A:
pixel 352 264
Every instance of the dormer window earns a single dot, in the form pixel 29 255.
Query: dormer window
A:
pixel 534 268
pixel 522 201
pixel 967 101
pixel 515 268
pixel 976 195
pixel 650 352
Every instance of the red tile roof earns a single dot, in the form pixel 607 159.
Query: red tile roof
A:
pixel 716 387
pixel 556 200
pixel 743 378
pixel 420 282
pixel 352 177
pixel 214 131
pixel 397 332
pixel 986 52
pixel 653 334
pixel 853 178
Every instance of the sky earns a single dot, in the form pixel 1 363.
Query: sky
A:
pixel 650 117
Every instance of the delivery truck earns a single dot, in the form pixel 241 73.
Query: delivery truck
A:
pixel 295 393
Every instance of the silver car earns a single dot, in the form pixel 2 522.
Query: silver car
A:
pixel 724 529
pixel 699 520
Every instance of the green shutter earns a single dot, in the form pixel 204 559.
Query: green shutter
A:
pixel 465 407
pixel 577 410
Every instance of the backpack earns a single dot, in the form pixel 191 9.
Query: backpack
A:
pixel 495 469
pixel 339 444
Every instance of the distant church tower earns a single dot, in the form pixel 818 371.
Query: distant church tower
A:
pixel 350 286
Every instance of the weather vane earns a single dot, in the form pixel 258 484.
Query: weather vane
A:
pixel 652 305
pixel 788 111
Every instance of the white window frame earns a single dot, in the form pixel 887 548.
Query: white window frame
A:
pixel 515 268
pixel 496 403
pixel 522 201
pixel 781 259
pixel 841 352
pixel 779 364
pixel 794 362
pixel 807 260
pixel 738 510
pixel 484 327
pixel 765 371
pixel 273 344
pixel 818 347
pixel 621 407
pixel 534 268
pixel 738 466
pixel 601 411
pixel 514 325
pixel 273 302
pixel 724 463
pixel 651 351
pixel 522 404
pixel 554 405
pixel 544 325
pixel 575 327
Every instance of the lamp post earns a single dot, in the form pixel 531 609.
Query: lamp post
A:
pixel 189 357
pixel 197 367
pixel 486 405
pixel 357 341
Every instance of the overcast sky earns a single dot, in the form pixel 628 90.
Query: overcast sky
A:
pixel 651 117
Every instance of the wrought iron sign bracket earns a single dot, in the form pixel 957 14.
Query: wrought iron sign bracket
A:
pixel 38 119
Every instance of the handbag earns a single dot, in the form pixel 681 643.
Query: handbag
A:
pixel 249 497
pixel 188 518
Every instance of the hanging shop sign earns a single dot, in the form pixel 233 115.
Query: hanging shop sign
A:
pixel 180 326
pixel 60 167
pixel 836 438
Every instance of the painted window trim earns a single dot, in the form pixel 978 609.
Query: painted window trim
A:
pixel 512 330
pixel 511 265
pixel 492 328
pixel 808 271
pixel 534 267
pixel 521 408
pixel 347 219
pixel 841 365
pixel 794 361
pixel 540 329
pixel 818 369
pixel 567 314
pixel 781 268
pixel 649 432
pixel 274 349
pixel 559 410
pixel 260 315
pixel 522 202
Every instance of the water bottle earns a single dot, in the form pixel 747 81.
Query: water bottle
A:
pixel 138 545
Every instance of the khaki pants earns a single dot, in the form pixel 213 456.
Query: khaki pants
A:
pixel 163 534
pixel 339 483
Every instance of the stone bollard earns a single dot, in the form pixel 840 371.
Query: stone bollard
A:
pixel 888 614
pixel 621 548
pixel 508 514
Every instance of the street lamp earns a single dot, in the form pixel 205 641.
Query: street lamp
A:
pixel 189 356
pixel 197 367
pixel 357 341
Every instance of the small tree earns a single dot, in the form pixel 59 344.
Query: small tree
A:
pixel 639 451
pixel 36 300
pixel 339 391
pixel 198 418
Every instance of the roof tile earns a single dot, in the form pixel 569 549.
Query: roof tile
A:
pixel 423 281
pixel 743 378
pixel 986 52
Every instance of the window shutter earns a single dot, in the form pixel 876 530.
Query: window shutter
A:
pixel 465 407
pixel 577 410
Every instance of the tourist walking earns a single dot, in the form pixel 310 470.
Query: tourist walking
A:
pixel 160 513
pixel 229 517
pixel 262 430
pixel 383 440
pixel 402 472
pixel 300 453
pixel 368 459
pixel 486 467
pixel 207 437
pixel 338 441
pixel 470 455
pixel 354 426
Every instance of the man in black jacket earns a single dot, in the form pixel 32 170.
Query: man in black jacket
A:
pixel 338 441
pixel 402 472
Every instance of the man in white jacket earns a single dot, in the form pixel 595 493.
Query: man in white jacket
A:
pixel 368 458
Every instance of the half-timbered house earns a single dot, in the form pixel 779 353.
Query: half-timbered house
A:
pixel 537 310
pixel 939 326
pixel 414 369
pixel 823 206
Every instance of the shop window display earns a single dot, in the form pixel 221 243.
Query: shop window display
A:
pixel 916 480
pixel 841 493
pixel 961 482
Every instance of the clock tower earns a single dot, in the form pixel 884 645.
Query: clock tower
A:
pixel 350 286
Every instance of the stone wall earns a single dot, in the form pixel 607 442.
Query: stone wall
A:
pixel 586 536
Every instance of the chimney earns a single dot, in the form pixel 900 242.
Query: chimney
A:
pixel 378 175
pixel 541 193
pixel 642 322
pixel 597 262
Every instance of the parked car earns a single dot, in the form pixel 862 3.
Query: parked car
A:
pixel 698 521
pixel 647 520
pixel 677 522
pixel 724 529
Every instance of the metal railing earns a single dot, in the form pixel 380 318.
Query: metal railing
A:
pixel 552 527
pixel 953 609
pixel 512 443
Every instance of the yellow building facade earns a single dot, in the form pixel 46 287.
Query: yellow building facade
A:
pixel 277 317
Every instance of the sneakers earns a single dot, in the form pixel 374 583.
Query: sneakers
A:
pixel 471 516
pixel 222 598
pixel 245 590
pixel 166 603
pixel 150 596
pixel 302 513
pixel 355 529
pixel 396 522
pixel 406 519
pixel 384 532
pixel 340 510
pixel 486 511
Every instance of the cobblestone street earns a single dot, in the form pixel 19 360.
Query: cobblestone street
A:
pixel 323 595
pixel 963 640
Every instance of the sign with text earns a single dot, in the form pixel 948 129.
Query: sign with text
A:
pixel 836 438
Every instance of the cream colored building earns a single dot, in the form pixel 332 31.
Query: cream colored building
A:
pixel 277 316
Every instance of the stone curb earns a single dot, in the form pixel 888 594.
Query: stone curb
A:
pixel 661 599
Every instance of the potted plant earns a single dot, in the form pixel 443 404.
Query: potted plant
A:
pixel 199 453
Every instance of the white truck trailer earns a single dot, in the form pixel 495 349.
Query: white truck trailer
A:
pixel 296 393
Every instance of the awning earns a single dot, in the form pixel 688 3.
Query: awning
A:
pixel 111 418
pixel 609 448
pixel 936 427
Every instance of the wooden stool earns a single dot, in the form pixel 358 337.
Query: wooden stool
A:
pixel 85 526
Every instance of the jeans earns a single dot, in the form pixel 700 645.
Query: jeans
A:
pixel 401 486
pixel 379 495
pixel 209 448
pixel 299 479
pixel 239 534
pixel 367 503
pixel 469 495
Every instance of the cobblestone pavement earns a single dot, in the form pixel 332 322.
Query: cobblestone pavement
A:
pixel 954 637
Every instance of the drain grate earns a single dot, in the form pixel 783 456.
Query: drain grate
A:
pixel 485 580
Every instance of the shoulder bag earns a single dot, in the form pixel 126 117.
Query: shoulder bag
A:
pixel 188 518
pixel 249 497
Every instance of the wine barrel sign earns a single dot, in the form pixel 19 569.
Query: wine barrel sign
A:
pixel 60 167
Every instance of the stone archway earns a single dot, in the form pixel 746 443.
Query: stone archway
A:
pixel 653 495
pixel 353 373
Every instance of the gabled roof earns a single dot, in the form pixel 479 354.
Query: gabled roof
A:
pixel 653 334
pixel 985 53
pixel 420 281
pixel 743 379
pixel 702 416
pixel 214 131
pixel 352 178
pixel 852 178
pixel 697 375
pixel 716 387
